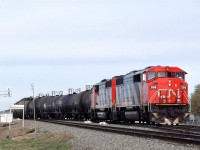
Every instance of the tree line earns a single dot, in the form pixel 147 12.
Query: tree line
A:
pixel 195 100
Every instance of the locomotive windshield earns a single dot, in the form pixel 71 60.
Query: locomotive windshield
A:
pixel 180 75
pixel 176 75
pixel 153 75
pixel 161 74
pixel 171 74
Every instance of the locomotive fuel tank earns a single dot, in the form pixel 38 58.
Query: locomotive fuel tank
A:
pixel 132 115
pixel 101 115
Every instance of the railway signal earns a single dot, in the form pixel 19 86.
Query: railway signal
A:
pixel 7 93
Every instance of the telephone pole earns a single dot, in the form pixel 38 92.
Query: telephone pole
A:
pixel 32 87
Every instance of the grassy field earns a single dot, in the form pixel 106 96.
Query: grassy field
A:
pixel 44 142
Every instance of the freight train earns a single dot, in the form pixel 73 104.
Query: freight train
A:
pixel 156 94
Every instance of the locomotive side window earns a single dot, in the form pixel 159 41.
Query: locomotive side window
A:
pixel 96 88
pixel 108 84
pixel 136 78
pixel 151 75
pixel 171 74
pixel 120 81
pixel 180 75
pixel 161 74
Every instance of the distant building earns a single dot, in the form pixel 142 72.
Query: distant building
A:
pixel 5 116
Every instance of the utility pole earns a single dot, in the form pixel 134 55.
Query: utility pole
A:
pixel 32 87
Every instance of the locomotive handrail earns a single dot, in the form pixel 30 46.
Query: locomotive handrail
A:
pixel 185 95
pixel 169 95
pixel 189 101
pixel 149 106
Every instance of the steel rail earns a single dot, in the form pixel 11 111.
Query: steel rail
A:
pixel 180 128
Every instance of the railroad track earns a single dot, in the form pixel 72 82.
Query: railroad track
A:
pixel 163 133
pixel 178 129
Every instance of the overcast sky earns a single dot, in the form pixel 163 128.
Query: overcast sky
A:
pixel 61 44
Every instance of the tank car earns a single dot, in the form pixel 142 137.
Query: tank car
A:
pixel 50 109
pixel 61 110
pixel 78 105
pixel 41 106
pixel 75 106
pixel 17 113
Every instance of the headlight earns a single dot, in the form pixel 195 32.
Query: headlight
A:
pixel 153 87
pixel 183 87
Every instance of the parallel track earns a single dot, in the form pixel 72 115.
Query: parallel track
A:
pixel 164 133
pixel 181 128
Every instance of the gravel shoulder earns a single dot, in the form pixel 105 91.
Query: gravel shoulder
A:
pixel 86 139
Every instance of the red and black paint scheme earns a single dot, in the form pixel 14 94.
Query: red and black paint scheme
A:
pixel 156 94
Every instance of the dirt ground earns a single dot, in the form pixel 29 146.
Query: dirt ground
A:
pixel 16 130
pixel 26 138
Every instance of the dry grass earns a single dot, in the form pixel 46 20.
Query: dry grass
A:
pixel 26 139
pixel 3 124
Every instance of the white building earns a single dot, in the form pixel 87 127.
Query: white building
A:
pixel 6 117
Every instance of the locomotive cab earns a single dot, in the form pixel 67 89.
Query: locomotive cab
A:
pixel 167 94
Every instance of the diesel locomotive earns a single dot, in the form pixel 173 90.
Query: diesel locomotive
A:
pixel 156 94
